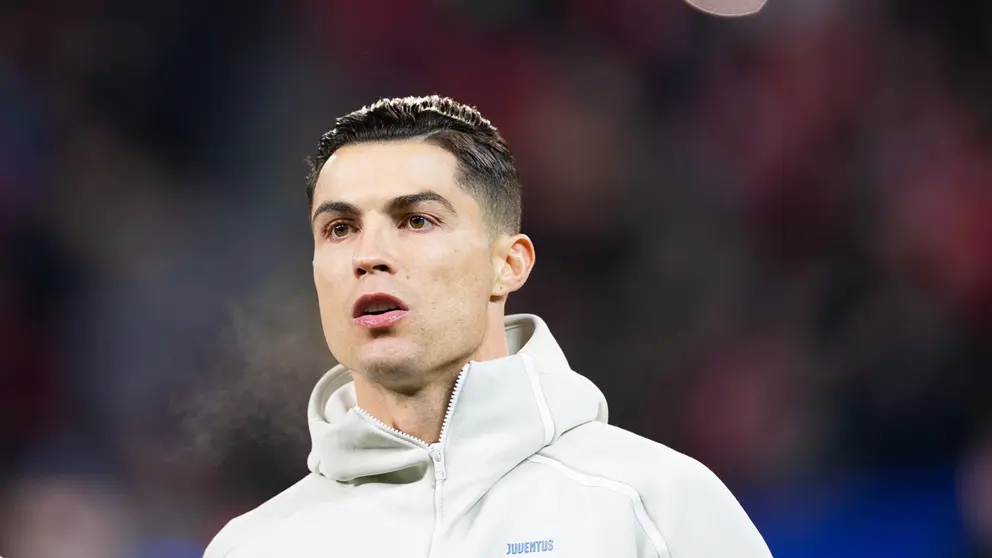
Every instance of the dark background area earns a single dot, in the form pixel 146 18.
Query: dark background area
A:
pixel 768 241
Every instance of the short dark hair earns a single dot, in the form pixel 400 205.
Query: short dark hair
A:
pixel 486 166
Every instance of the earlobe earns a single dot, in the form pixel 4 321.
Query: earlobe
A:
pixel 499 286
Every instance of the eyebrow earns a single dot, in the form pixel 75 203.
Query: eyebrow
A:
pixel 394 205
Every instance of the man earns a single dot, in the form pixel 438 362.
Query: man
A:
pixel 448 429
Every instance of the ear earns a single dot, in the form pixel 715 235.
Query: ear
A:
pixel 513 257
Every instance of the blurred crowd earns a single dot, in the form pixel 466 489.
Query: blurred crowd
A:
pixel 768 241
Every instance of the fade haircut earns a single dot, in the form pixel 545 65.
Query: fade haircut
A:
pixel 485 165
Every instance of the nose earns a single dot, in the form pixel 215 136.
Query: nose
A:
pixel 374 251
pixel 365 264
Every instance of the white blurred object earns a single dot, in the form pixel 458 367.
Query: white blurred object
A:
pixel 728 8
pixel 975 492
pixel 65 518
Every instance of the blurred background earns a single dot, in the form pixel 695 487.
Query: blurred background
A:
pixel 768 241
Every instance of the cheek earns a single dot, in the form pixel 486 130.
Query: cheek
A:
pixel 463 280
pixel 327 279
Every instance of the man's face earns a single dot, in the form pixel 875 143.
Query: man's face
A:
pixel 393 229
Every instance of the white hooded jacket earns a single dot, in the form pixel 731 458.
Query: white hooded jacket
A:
pixel 526 464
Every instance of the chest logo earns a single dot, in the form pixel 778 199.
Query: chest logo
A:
pixel 530 547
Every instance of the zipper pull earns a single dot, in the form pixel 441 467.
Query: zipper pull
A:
pixel 438 458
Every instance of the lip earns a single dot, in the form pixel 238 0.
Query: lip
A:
pixel 378 321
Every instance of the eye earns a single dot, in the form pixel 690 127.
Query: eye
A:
pixel 338 230
pixel 418 222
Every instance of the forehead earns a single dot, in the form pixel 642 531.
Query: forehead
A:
pixel 366 173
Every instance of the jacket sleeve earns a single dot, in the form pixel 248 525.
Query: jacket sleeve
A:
pixel 221 545
pixel 698 517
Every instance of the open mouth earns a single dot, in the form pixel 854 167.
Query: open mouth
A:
pixel 380 309
pixel 379 304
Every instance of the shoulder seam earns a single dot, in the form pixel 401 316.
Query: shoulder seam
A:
pixel 640 512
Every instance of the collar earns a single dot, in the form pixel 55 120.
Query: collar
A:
pixel 504 411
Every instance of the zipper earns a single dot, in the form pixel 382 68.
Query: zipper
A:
pixel 437 456
pixel 436 452
pixel 459 381
pixel 368 416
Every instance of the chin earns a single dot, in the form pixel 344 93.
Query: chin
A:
pixel 387 356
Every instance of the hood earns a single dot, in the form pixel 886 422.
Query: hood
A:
pixel 504 411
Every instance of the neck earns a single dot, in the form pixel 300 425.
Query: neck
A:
pixel 421 414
